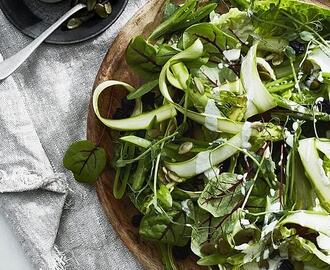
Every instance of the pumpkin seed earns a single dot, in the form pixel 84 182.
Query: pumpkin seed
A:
pixel 164 170
pixel 174 177
pixel 100 10
pixel 185 148
pixel 108 8
pixel 73 23
pixel 277 59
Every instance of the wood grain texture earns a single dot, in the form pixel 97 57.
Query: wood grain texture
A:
pixel 120 212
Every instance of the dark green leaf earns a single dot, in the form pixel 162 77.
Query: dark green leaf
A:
pixel 165 52
pixel 86 161
pixel 199 15
pixel 141 56
pixel 177 18
pixel 206 230
pixel 222 194
pixel 306 36
pixel 169 9
pixel 214 40
pixel 169 228
pixel 290 52
pixel 227 75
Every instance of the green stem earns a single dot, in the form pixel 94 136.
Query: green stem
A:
pixel 119 192
pixel 281 88
pixel 122 162
pixel 306 26
pixel 295 76
pixel 254 181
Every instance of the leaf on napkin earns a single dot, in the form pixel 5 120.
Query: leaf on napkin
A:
pixel 85 160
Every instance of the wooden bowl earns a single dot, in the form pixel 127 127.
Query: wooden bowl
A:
pixel 120 212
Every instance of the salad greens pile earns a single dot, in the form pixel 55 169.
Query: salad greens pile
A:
pixel 225 148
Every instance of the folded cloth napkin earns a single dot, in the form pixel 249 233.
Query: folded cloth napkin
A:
pixel 43 108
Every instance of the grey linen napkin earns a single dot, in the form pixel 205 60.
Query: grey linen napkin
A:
pixel 43 108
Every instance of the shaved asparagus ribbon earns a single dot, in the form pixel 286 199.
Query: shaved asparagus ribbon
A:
pixel 138 120
pixel 193 52
pixel 259 99
pixel 207 159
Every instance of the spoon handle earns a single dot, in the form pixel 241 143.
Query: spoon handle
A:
pixel 9 65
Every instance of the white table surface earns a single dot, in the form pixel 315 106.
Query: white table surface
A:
pixel 11 252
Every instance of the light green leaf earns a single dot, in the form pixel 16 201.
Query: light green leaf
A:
pixel 164 195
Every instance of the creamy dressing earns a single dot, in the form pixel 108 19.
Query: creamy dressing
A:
pixel 246 134
pixel 232 55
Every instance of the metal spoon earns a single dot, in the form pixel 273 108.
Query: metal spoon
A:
pixel 9 65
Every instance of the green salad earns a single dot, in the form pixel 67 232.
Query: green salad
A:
pixel 225 148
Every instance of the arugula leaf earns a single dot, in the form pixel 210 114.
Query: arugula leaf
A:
pixel 86 161
pixel 222 194
pixel 141 56
pixel 169 227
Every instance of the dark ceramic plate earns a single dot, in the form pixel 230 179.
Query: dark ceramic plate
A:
pixel 32 17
